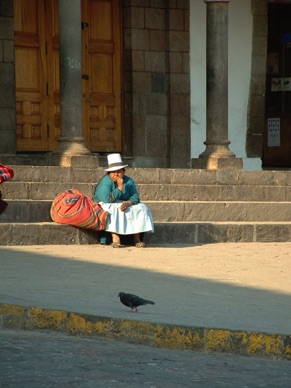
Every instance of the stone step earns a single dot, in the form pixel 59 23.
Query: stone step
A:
pixel 188 206
pixel 51 233
pixel 153 175
pixel 158 192
pixel 168 211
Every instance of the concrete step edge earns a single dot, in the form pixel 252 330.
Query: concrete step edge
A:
pixel 168 211
pixel 205 339
pixel 169 223
pixel 167 202
pixel 158 192
pixel 50 233
pixel 158 175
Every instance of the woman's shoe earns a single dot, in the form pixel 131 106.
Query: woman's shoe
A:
pixel 116 245
pixel 140 244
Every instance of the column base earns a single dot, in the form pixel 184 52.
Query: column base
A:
pixel 72 152
pixel 77 161
pixel 217 163
pixel 217 156
pixel 71 146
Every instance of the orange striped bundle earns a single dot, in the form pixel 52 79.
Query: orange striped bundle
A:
pixel 74 208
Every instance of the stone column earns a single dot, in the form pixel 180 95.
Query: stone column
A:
pixel 217 154
pixel 72 143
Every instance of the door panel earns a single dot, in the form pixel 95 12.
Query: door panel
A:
pixel 53 79
pixel 37 75
pixel 30 73
pixel 101 61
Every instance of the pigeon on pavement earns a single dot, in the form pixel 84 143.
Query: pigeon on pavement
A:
pixel 133 301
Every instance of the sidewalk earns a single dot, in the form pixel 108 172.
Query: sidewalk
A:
pixel 240 290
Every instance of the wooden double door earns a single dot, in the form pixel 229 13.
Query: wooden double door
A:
pixel 38 76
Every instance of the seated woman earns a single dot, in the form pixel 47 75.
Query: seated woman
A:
pixel 117 194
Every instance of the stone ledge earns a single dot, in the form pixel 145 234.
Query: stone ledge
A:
pixel 215 163
pixel 153 191
pixel 50 233
pixel 168 211
pixel 89 174
pixel 152 334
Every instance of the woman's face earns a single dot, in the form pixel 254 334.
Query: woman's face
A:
pixel 114 175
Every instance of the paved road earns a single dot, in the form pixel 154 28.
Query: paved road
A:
pixel 239 286
pixel 32 359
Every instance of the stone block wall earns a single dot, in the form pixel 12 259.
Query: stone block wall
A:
pixel 7 80
pixel 157 82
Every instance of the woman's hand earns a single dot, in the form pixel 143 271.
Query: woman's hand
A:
pixel 119 182
pixel 125 205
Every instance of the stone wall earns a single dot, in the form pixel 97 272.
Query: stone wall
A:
pixel 7 80
pixel 157 82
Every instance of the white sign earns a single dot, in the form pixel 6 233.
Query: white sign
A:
pixel 281 84
pixel 277 84
pixel 274 132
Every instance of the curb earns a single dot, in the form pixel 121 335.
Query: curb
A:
pixel 152 334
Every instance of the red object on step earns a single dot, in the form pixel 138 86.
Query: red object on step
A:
pixel 6 173
pixel 74 208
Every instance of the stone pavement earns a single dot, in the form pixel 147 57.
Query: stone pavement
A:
pixel 232 297
pixel 32 359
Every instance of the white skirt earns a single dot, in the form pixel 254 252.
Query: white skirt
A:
pixel 135 219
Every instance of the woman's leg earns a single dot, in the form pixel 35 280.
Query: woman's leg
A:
pixel 136 238
pixel 137 242
pixel 115 240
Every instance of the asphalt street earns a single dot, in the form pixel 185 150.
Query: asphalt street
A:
pixel 34 359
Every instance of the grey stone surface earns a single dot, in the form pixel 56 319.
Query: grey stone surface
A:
pixel 40 233
pixel 160 175
pixel 234 286
pixel 213 192
pixel 188 206
pixel 47 359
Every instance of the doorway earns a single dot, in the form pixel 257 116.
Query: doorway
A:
pixel 277 137
pixel 37 75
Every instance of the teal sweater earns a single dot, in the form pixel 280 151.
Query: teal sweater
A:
pixel 108 192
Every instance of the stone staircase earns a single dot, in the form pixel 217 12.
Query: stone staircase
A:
pixel 189 206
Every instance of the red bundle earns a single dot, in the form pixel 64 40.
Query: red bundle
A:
pixel 6 173
pixel 74 208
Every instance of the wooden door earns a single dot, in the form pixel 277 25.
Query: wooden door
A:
pixel 37 75
pixel 101 74
pixel 53 75
pixel 31 75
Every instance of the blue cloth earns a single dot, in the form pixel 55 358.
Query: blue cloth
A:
pixel 108 192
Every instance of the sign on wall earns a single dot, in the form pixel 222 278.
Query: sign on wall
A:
pixel 274 132
pixel 281 84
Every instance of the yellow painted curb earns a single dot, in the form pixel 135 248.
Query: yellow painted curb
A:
pixel 153 334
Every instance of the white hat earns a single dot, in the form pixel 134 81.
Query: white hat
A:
pixel 115 163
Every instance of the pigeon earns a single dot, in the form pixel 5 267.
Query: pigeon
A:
pixel 133 301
